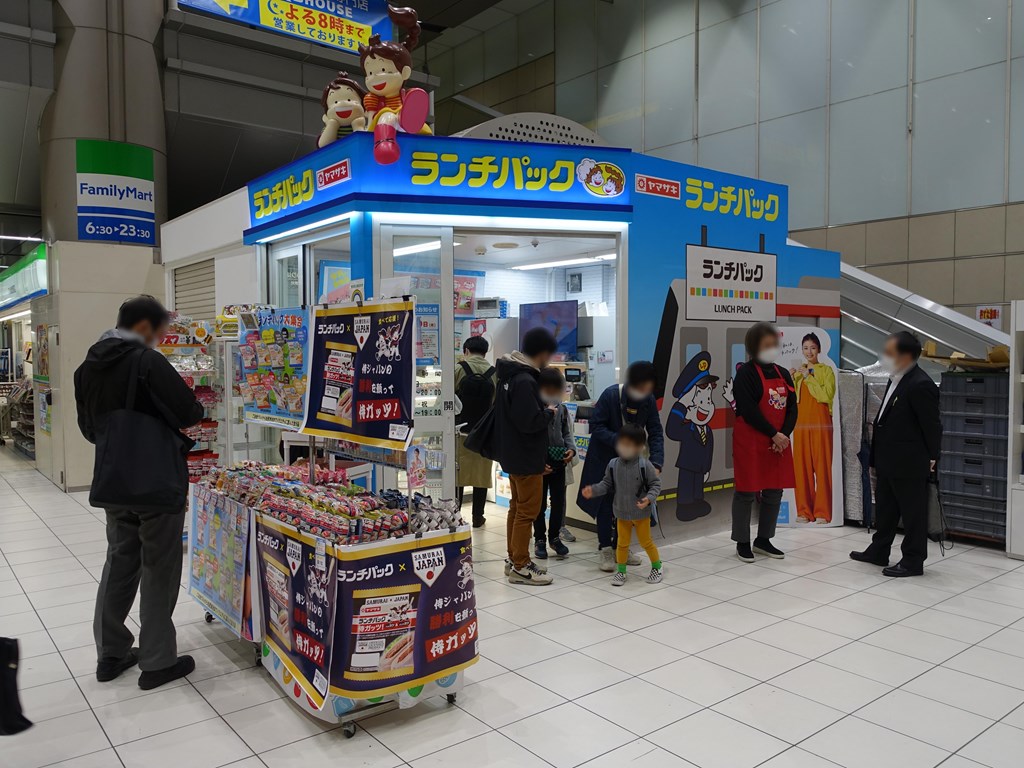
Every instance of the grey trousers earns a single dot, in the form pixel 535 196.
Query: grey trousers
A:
pixel 141 547
pixel 768 514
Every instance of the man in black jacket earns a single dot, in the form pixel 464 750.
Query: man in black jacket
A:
pixel 141 546
pixel 904 450
pixel 521 442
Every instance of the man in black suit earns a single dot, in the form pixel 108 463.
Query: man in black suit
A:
pixel 904 451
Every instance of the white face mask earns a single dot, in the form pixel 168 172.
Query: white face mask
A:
pixel 551 399
pixel 628 453
pixel 635 395
pixel 888 364
pixel 768 356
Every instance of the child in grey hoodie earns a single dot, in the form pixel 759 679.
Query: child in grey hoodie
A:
pixel 635 485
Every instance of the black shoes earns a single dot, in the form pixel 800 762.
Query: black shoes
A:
pixel 111 669
pixel 540 550
pixel 743 553
pixel 864 557
pixel 900 571
pixel 561 551
pixel 766 548
pixel 12 721
pixel 150 680
pixel 478 522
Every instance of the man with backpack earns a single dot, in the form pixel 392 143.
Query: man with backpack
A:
pixel 475 385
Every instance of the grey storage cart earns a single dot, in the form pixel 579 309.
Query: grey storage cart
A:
pixel 975 449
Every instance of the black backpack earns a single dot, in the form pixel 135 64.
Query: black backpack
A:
pixel 476 393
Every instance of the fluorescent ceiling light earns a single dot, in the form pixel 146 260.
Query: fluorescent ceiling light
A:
pixel 16 315
pixel 307 227
pixel 409 250
pixel 21 239
pixel 566 262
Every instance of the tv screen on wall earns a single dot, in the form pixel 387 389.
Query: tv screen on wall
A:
pixel 559 317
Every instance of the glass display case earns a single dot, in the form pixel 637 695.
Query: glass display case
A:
pixel 236 440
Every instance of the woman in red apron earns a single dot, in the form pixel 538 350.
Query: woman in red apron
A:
pixel 766 412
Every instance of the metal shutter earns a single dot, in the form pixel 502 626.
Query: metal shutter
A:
pixel 194 290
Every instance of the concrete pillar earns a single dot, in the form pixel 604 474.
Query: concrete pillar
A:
pixel 107 86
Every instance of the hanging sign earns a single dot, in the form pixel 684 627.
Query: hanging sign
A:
pixel 115 192
pixel 273 348
pixel 991 316
pixel 723 284
pixel 340 24
pixel 363 355
pixel 298 573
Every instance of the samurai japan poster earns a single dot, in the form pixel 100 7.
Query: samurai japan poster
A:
pixel 406 614
pixel 272 350
pixel 364 359
pixel 298 573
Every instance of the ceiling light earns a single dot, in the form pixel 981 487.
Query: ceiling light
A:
pixel 607 257
pixel 552 264
pixel 508 245
pixel 22 239
pixel 16 315
pixel 409 250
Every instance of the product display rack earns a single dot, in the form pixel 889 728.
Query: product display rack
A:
pixel 22 414
pixel 1015 435
pixel 236 438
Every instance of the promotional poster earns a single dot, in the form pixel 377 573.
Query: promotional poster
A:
pixel 218 558
pixel 298 573
pixel 272 347
pixel 363 354
pixel 817 451
pixel 406 614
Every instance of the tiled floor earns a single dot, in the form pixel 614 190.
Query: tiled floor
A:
pixel 810 662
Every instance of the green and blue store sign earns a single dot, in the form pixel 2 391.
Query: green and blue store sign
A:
pixel 25 279
pixel 115 192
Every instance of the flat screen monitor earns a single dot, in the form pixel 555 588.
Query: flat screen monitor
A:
pixel 559 317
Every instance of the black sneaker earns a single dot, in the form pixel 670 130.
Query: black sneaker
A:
pixel 743 553
pixel 185 665
pixel 765 547
pixel 560 549
pixel 540 551
pixel 111 669
pixel 478 522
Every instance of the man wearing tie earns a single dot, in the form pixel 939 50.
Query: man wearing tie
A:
pixel 904 451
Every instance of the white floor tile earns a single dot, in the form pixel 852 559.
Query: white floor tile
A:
pixel 209 744
pixel 638 754
pixel 1009 641
pixel 1001 746
pixel 699 680
pixel 799 639
pixel 46 702
pixel 573 675
pixel 528 612
pixel 990 665
pixel 576 630
pixel 915 643
pixel 580 597
pixel 982 610
pixel 876 664
pixel 123 688
pixel 501 700
pixel 719 587
pixel 40 670
pixel 711 740
pixel 215 660
pixel 794 757
pixel 149 715
pixel 840 622
pixel 239 690
pixel 491 749
pixel 629 615
pixel 106 758
pixel 430 726
pixel 733 618
pixel 855 743
pixel 778 712
pixel 752 658
pixel 638 706
pixel 633 653
pixel 952 626
pixel 831 686
pixel 685 634
pixel 51 741
pixel 521 648
pixel 925 719
pixel 776 603
pixel 538 736
pixel 973 694
pixel 35 644
pixel 361 751
pixel 273 724
pixel 813 590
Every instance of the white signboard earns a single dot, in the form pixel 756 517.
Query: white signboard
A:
pixel 991 316
pixel 722 284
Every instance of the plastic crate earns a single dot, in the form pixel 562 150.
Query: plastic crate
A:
pixel 975 384
pixel 976 424
pixel 990 466
pixel 979 521
pixel 981 487
pixel 984 405
pixel 975 445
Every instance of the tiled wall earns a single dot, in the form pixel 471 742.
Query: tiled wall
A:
pixel 963 259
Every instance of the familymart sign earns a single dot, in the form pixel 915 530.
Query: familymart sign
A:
pixel 114 184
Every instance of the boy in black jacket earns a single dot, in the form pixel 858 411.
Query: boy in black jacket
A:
pixel 521 442
pixel 141 546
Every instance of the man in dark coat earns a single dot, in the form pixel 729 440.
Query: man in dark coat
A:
pixel 689 423
pixel 141 546
pixel 633 403
pixel 905 448
pixel 521 422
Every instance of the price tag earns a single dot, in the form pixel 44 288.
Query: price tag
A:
pixel 321 555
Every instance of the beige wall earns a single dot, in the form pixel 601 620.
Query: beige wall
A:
pixel 963 259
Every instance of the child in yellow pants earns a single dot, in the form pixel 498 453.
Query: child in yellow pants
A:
pixel 635 485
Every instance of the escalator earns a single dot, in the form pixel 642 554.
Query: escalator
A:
pixel 873 308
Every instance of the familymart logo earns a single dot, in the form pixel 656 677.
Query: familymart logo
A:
pixel 115 192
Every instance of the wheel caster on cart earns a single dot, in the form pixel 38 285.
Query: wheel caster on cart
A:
pixel 209 618
pixel 349 729
pixel 451 697
pixel 259 659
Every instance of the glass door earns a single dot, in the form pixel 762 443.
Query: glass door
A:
pixel 422 257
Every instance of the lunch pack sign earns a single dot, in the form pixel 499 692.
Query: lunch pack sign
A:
pixel 115 192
